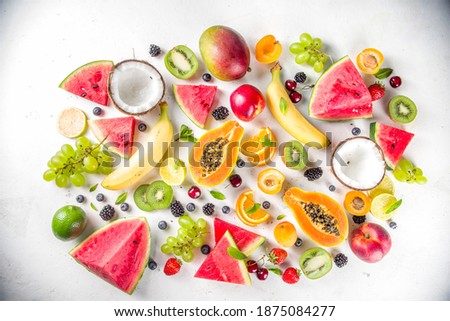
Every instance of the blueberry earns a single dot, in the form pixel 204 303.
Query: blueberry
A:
pixel 266 205
pixel 152 265
pixel 205 249
pixel 162 225
pixel 332 188
pixel 142 127
pixel 240 163
pixel 80 198
pixel 206 77
pixel 124 207
pixel 100 197
pixel 226 209
pixel 356 131
pixel 97 111
pixel 392 225
pixel 299 242
pixel 190 207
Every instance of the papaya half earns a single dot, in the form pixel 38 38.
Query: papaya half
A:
pixel 320 217
pixel 214 156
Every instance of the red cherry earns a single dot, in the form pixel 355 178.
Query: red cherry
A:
pixel 262 274
pixel 395 81
pixel 194 192
pixel 235 180
pixel 295 97
pixel 290 85
pixel 252 266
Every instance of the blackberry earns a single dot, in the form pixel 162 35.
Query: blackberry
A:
pixel 300 77
pixel 313 173
pixel 226 209
pixel 124 207
pixel 208 209
pixel 107 212
pixel 142 127
pixel 205 249
pixel 358 219
pixel 299 242
pixel 332 188
pixel 152 265
pixel 240 163
pixel 340 260
pixel 206 77
pixel 100 197
pixel 190 207
pixel 162 225
pixel 356 131
pixel 176 208
pixel 392 225
pixel 80 198
pixel 154 50
pixel 220 113
pixel 266 205
pixel 97 111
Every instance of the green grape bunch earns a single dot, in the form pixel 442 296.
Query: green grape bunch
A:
pixel 190 235
pixel 308 50
pixel 405 171
pixel 69 164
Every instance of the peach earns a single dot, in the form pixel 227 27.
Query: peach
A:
pixel 370 242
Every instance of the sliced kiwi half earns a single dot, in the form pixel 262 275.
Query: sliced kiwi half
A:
pixel 159 195
pixel 294 155
pixel 140 198
pixel 402 109
pixel 315 263
pixel 181 62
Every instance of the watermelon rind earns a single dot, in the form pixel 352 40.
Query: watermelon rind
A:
pixel 313 92
pixel 108 226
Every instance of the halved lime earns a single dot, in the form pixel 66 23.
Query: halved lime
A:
pixel 384 206
pixel 173 171
pixel 69 222
pixel 72 122
pixel 385 187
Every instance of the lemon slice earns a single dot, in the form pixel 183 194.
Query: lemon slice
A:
pixel 71 122
pixel 173 171
pixel 385 187
pixel 382 206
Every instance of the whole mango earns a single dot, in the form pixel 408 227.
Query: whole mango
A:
pixel 225 53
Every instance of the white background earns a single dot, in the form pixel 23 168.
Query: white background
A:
pixel 43 41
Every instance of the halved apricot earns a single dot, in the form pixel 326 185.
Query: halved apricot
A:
pixel 369 60
pixel 268 49
pixel 270 181
pixel 357 203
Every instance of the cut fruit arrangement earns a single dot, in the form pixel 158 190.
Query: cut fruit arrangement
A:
pixel 119 251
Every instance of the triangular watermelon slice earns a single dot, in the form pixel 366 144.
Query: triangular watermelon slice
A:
pixel 340 94
pixel 118 252
pixel 220 266
pixel 195 101
pixel 393 141
pixel 245 240
pixel 90 81
pixel 117 133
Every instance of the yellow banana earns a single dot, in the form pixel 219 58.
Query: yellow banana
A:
pixel 288 116
pixel 144 159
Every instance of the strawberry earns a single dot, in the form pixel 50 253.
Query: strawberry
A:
pixel 376 90
pixel 277 256
pixel 291 275
pixel 172 266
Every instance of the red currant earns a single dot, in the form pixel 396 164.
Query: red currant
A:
pixel 235 180
pixel 395 81
pixel 262 274
pixel 295 97
pixel 252 266
pixel 290 85
pixel 194 192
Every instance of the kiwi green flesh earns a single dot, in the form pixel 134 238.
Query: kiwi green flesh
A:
pixel 402 109
pixel 315 263
pixel 140 198
pixel 181 62
pixel 159 195
pixel 295 155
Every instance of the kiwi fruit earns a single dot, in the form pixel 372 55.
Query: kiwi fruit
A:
pixel 159 195
pixel 140 198
pixel 315 263
pixel 402 109
pixel 294 155
pixel 181 62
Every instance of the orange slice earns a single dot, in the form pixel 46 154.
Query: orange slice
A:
pixel 260 149
pixel 245 202
pixel 270 181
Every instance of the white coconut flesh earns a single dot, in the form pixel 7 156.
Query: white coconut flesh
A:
pixel 136 86
pixel 359 163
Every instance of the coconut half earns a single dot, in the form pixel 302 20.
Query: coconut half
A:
pixel 358 163
pixel 135 87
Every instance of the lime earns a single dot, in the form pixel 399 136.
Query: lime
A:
pixel 69 222
pixel 173 171
pixel 72 122
pixel 382 206
pixel 385 187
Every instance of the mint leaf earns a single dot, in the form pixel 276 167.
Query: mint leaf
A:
pixel 186 134
pixel 393 207
pixel 280 217
pixel 121 198
pixel 266 142
pixel 383 73
pixel 253 209
pixel 235 253
pixel 217 195
pixel 283 105
pixel 93 188
pixel 276 271
pixel 93 207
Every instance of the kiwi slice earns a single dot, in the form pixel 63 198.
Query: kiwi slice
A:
pixel 402 109
pixel 181 62
pixel 159 195
pixel 140 198
pixel 295 155
pixel 315 263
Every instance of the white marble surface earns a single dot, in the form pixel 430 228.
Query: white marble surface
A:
pixel 42 41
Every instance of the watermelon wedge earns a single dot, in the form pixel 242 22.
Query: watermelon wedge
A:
pixel 340 94
pixel 246 241
pixel 195 101
pixel 220 266
pixel 117 133
pixel 90 81
pixel 393 141
pixel 118 252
